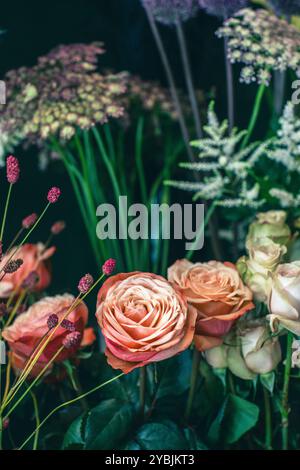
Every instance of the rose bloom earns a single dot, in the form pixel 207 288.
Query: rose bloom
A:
pixel 271 224
pixel 251 352
pixel 35 258
pixel 28 329
pixel 284 299
pixel 143 319
pixel 217 292
pixel 256 271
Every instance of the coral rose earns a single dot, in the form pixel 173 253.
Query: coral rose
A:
pixel 35 258
pixel 217 292
pixel 28 329
pixel 143 319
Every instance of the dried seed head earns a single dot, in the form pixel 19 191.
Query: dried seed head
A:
pixel 29 221
pixel 68 325
pixel 85 283
pixel 72 340
pixel 52 321
pixel 3 309
pixel 13 266
pixel 109 266
pixel 12 169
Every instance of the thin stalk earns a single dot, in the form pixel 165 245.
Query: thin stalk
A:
pixel 254 116
pixel 143 379
pixel 230 90
pixel 189 78
pixel 5 211
pixel 19 233
pixel 171 81
pixel 193 384
pixel 67 403
pixel 268 420
pixel 37 420
pixel 15 309
pixel 285 409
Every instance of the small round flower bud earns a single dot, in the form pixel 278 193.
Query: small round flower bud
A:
pixel 5 423
pixel 52 321
pixel 58 227
pixel 68 325
pixel 85 283
pixel 12 266
pixel 109 266
pixel 3 309
pixel 53 195
pixel 29 221
pixel 72 340
pixel 12 169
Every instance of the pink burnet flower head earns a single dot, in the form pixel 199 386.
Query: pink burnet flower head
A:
pixel 31 280
pixel 68 325
pixel 52 321
pixel 85 283
pixel 29 221
pixel 58 227
pixel 13 266
pixel 53 195
pixel 109 266
pixel 12 169
pixel 72 340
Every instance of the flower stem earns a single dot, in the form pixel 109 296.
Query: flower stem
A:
pixel 70 402
pixel 254 116
pixel 268 420
pixel 285 394
pixel 5 211
pixel 143 379
pixel 230 91
pixel 189 78
pixel 193 384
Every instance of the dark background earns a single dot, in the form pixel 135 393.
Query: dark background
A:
pixel 35 27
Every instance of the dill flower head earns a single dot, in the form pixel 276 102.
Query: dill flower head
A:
pixel 286 7
pixel 168 11
pixel 222 8
pixel 262 42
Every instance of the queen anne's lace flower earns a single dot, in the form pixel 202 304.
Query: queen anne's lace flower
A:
pixel 168 11
pixel 262 42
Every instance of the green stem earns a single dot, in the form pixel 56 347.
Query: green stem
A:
pixel 5 211
pixel 254 116
pixel 193 384
pixel 268 420
pixel 285 410
pixel 143 378
pixel 70 402
pixel 37 420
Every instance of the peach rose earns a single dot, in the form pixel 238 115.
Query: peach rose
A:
pixel 143 319
pixel 27 330
pixel 35 258
pixel 217 292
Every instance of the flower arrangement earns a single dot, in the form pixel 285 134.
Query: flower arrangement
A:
pixel 161 349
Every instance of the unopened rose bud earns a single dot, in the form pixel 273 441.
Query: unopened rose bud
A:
pixel 270 225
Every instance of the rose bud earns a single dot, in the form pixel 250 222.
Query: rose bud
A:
pixel 128 306
pixel 284 299
pixel 271 225
pixel 217 292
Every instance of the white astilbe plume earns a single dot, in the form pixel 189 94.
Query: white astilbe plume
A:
pixel 224 166
pixel 285 198
pixel 285 149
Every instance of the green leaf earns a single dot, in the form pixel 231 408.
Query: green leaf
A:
pixel 74 437
pixel 194 442
pixel 268 381
pixel 108 424
pixel 174 375
pixel 165 435
pixel 236 417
